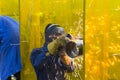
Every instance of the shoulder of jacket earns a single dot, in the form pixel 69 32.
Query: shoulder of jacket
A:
pixel 36 50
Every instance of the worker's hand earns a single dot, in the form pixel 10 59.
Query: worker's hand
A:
pixel 62 40
pixel 63 55
pixel 65 59
pixel 59 41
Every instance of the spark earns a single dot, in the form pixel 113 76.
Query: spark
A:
pixel 118 8
pixel 89 5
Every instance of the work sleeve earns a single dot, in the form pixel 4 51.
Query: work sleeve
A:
pixel 38 58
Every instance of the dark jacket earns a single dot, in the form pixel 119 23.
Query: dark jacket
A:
pixel 48 67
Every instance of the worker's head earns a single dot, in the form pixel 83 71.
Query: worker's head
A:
pixel 52 31
pixel 72 48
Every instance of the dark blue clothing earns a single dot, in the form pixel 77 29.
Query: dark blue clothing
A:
pixel 9 47
pixel 48 67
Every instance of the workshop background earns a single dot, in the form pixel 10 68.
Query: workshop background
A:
pixel 98 22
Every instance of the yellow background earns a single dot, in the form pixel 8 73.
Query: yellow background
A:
pixel 101 32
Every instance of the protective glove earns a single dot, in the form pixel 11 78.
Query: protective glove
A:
pixel 60 41
pixel 65 59
pixel 63 55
